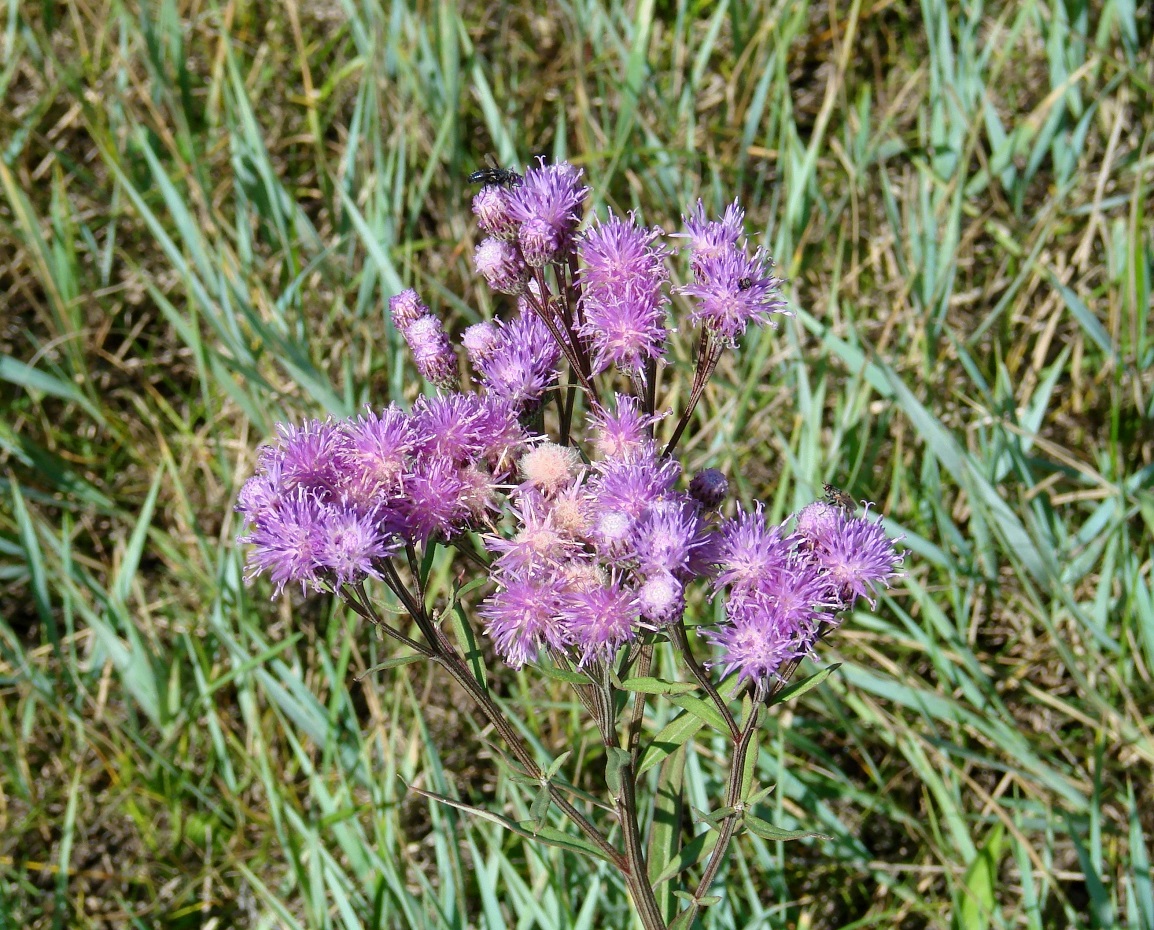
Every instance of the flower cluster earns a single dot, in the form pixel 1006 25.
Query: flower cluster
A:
pixel 331 500
pixel 784 590
pixel 599 553
pixel 733 287
pixel 593 542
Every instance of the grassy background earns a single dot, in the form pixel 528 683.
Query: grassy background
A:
pixel 202 207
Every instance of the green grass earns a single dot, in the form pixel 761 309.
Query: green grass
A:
pixel 202 207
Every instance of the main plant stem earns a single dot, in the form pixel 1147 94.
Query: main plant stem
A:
pixel 637 876
pixel 636 872
pixel 631 863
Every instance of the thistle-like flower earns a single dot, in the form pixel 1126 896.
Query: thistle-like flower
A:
pixel 546 206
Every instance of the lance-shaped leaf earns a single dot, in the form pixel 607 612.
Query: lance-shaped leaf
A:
pixel 540 808
pixel 703 709
pixel 394 662
pixel 665 830
pixel 656 686
pixel 768 831
pixel 562 674
pixel 796 690
pixel 673 735
pixel 616 760
pixel 689 855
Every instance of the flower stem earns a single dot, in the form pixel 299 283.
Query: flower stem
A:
pixel 637 876
pixel 729 824
pixel 681 640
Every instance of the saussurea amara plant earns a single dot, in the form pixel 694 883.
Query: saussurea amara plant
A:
pixel 556 482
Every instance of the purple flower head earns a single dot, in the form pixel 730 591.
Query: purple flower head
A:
pixel 572 510
pixel 522 364
pixel 432 352
pixel 436 500
pixel 311 456
pixel 661 599
pixel 625 433
pixel 758 639
pixel 500 437
pixel 619 255
pixel 622 297
pixel 625 329
pixel 480 341
pixel 547 206
pixel 522 617
pixel 751 554
pixel 818 522
pixel 351 540
pixel 286 544
pixel 501 265
pixel 709 488
pixel 491 207
pixel 857 556
pixel 263 491
pixel 377 453
pixel 733 290
pixel 666 536
pixel 479 496
pixel 710 238
pixel 582 575
pixel 599 620
pixel 449 425
pixel 538 543
pixel 633 485
pixel 406 308
pixel 612 534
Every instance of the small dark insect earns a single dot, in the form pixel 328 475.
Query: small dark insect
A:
pixel 744 284
pixel 502 177
pixel 839 498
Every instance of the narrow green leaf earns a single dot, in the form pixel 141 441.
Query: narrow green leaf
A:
pixel 548 835
pixel 1140 870
pixel 768 831
pixel 616 759
pixel 657 686
pixel 540 807
pixel 34 562
pixel 122 584
pixel 555 765
pixel 469 645
pixel 799 688
pixel 673 735
pixel 665 830
pixel 34 379
pixel 394 662
pixel 713 819
pixel 562 674
pixel 690 854
pixel 702 709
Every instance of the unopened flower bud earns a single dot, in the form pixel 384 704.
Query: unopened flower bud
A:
pixel 480 341
pixel 540 243
pixel 491 207
pixel 661 599
pixel 432 352
pixel 406 308
pixel 500 263
pixel 709 488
